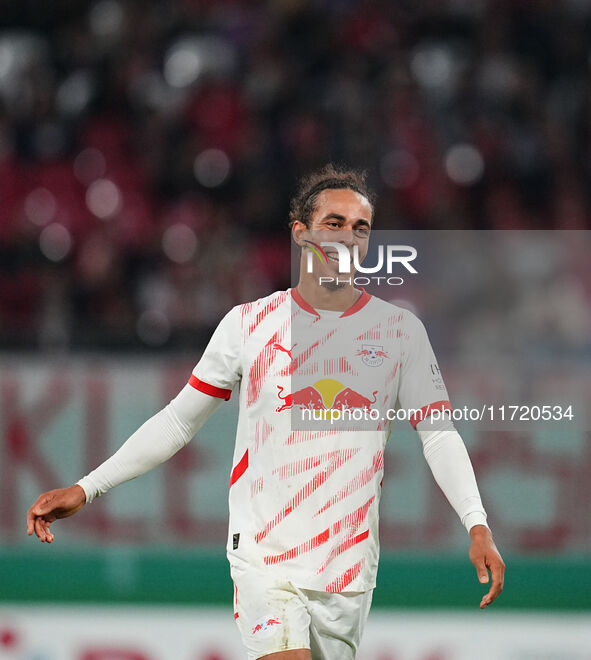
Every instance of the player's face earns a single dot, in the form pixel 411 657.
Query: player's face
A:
pixel 340 216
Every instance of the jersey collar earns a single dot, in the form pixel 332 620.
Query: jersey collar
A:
pixel 361 302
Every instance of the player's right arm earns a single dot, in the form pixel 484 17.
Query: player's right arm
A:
pixel 157 439
pixel 152 444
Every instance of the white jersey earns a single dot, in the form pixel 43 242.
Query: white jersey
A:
pixel 304 499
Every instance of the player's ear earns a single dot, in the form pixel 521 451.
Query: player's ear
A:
pixel 298 229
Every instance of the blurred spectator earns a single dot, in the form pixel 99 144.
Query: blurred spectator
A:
pixel 148 149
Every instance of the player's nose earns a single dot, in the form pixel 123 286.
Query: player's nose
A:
pixel 346 236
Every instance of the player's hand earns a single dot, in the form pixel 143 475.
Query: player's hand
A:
pixel 485 556
pixel 52 505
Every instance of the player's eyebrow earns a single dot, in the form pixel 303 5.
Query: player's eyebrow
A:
pixel 338 216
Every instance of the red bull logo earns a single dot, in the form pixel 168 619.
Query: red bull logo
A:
pixel 326 394
pixel 266 625
pixel 307 397
pixel 348 399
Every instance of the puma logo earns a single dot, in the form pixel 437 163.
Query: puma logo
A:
pixel 279 347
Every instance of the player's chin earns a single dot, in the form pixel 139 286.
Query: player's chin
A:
pixel 333 279
pixel 333 285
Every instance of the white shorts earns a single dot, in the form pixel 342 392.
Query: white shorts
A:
pixel 274 615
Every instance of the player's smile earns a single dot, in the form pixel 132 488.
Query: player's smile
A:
pixel 334 256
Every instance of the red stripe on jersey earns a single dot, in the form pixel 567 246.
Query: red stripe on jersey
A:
pixel 307 546
pixel 261 365
pixel 267 309
pixel 338 366
pixel 335 460
pixel 425 411
pixel 302 364
pixel 346 578
pixel 260 369
pixel 350 524
pixel 296 437
pixel 360 480
pixel 362 301
pixel 212 390
pixel 262 431
pixel 360 537
pixel 372 334
pixel 302 465
pixel 392 374
pixel 302 303
pixel 236 615
pixel 256 487
pixel 239 469
pixel 393 329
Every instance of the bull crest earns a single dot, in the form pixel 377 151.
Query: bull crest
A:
pixel 372 355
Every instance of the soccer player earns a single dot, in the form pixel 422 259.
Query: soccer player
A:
pixel 303 528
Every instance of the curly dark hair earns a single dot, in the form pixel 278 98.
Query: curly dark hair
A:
pixel 330 177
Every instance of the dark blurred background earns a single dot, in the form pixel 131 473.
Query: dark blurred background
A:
pixel 148 150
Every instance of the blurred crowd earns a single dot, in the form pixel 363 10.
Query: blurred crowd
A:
pixel 148 148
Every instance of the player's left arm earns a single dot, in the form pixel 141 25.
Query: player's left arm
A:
pixel 423 393
pixel 452 469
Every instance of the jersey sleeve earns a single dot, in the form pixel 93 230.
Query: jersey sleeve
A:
pixel 220 366
pixel 421 389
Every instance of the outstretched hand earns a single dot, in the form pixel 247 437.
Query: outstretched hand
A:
pixel 52 505
pixel 485 556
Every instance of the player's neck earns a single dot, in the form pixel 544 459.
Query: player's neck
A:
pixel 319 297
